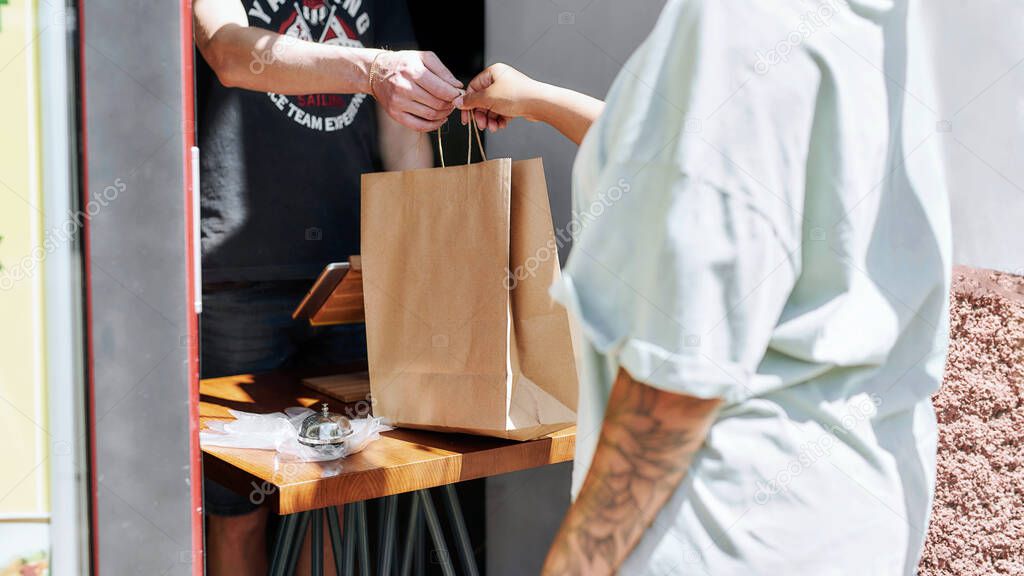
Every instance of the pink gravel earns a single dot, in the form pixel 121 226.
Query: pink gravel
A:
pixel 977 524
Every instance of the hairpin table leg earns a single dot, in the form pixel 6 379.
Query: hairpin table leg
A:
pixel 411 534
pixel 316 547
pixel 436 534
pixel 364 539
pixel 283 544
pixel 334 527
pixel 350 538
pixel 300 539
pixel 451 500
pixel 388 534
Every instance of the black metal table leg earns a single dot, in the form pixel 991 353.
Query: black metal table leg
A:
pixel 382 504
pixel 334 527
pixel 283 544
pixel 364 539
pixel 436 534
pixel 451 500
pixel 300 539
pixel 387 541
pixel 350 538
pixel 316 548
pixel 354 538
pixel 421 541
pixel 411 534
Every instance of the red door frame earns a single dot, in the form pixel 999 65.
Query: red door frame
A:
pixel 191 270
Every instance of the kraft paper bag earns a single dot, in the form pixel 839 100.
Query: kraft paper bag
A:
pixel 462 335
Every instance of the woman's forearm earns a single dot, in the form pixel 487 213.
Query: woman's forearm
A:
pixel 647 442
pixel 567 111
pixel 501 92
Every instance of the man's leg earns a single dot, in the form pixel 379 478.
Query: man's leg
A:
pixel 245 329
pixel 333 346
pixel 236 544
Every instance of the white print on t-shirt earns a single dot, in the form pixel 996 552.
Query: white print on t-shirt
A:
pixel 336 22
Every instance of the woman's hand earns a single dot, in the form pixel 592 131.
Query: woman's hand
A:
pixel 497 94
pixel 414 88
pixel 501 92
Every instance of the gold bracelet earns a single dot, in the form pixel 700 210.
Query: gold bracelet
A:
pixel 375 70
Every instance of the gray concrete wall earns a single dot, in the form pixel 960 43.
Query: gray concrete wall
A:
pixel 581 45
pixel 979 71
pixel 133 116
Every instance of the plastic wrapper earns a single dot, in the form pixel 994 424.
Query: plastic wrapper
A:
pixel 280 432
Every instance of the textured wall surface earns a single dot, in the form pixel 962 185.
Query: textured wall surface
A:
pixel 977 524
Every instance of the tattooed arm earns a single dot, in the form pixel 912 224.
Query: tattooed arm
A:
pixel 647 442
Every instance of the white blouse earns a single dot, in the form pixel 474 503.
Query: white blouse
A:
pixel 760 217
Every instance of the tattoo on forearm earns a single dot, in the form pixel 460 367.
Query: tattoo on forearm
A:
pixel 646 444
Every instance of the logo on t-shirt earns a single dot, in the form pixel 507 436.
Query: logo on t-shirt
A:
pixel 337 22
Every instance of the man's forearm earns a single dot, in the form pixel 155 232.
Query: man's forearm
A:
pixel 415 88
pixel 647 442
pixel 402 148
pixel 257 59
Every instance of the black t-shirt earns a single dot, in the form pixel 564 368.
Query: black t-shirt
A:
pixel 280 174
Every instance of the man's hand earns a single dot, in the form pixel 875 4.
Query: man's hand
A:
pixel 647 442
pixel 414 88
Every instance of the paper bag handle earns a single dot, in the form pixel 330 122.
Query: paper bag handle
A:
pixel 473 129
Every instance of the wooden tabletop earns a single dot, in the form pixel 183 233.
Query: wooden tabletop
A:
pixel 401 461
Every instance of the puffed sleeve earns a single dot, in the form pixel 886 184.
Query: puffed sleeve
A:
pixel 681 288
pixel 693 186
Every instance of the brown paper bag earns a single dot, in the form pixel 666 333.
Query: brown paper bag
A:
pixel 462 335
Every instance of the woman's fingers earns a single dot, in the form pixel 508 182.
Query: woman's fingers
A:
pixel 477 105
pixel 491 98
pixel 494 121
pixel 482 80
pixel 481 119
pixel 473 100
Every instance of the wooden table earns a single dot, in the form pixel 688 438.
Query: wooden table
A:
pixel 402 461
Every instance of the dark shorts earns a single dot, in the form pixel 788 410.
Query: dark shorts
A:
pixel 248 329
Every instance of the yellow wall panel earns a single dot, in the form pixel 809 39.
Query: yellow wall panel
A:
pixel 23 424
